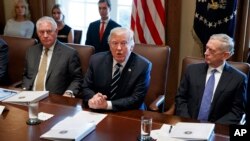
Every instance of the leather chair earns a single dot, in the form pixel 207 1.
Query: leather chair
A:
pixel 77 36
pixel 159 56
pixel 17 51
pixel 242 66
pixel 85 51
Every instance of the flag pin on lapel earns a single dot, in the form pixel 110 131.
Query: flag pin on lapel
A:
pixel 129 69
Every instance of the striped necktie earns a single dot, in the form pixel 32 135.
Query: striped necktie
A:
pixel 115 80
pixel 207 98
pixel 42 71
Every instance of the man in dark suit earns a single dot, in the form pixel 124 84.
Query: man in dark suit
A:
pixel 61 72
pixel 3 61
pixel 227 104
pixel 98 31
pixel 132 83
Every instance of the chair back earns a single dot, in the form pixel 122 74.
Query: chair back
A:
pixel 159 57
pixel 242 66
pixel 77 36
pixel 84 51
pixel 17 52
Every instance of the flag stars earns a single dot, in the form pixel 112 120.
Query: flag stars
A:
pixel 196 15
pixel 201 18
pixel 226 20
pixel 210 24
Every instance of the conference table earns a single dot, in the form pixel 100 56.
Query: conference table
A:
pixel 117 126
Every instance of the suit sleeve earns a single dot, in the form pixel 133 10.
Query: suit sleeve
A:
pixel 135 100
pixel 3 61
pixel 76 73
pixel 181 108
pixel 88 36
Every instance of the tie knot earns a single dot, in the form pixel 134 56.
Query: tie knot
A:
pixel 214 71
pixel 118 65
pixel 46 51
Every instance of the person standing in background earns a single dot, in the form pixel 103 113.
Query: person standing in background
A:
pixel 65 32
pixel 98 31
pixel 3 61
pixel 20 25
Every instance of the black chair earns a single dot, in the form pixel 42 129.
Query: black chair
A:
pixel 77 36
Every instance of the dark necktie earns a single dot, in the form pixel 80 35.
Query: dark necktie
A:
pixel 102 30
pixel 207 97
pixel 115 80
pixel 42 71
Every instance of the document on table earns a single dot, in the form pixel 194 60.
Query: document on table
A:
pixel 192 131
pixel 74 128
pixel 24 97
pixel 6 93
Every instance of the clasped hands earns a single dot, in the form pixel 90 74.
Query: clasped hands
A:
pixel 98 101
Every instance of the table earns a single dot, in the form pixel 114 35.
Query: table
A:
pixel 119 126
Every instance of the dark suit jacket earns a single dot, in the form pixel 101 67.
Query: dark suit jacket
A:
pixel 133 84
pixel 3 61
pixel 229 99
pixel 93 38
pixel 64 71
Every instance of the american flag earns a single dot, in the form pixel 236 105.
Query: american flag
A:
pixel 148 21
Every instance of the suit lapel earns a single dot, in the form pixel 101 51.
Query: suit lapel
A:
pixel 201 81
pixel 54 59
pixel 225 77
pixel 37 57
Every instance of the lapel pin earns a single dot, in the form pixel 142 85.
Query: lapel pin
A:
pixel 129 70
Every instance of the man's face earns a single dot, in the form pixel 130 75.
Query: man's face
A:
pixel 46 34
pixel 120 47
pixel 104 10
pixel 214 55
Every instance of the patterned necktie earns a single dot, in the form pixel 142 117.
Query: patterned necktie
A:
pixel 102 30
pixel 207 97
pixel 42 71
pixel 115 80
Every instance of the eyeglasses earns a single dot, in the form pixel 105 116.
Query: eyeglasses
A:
pixel 122 44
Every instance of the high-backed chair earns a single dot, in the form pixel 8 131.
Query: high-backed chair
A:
pixel 159 56
pixel 77 36
pixel 242 66
pixel 85 51
pixel 17 51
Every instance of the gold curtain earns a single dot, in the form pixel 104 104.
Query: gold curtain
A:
pixel 40 8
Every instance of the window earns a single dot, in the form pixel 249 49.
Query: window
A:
pixel 80 13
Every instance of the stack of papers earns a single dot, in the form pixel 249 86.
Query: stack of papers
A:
pixel 74 128
pixel 6 93
pixel 25 97
pixel 192 131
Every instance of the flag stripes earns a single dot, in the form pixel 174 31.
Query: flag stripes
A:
pixel 148 21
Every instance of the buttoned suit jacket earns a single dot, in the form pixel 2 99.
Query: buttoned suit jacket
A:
pixel 64 72
pixel 3 61
pixel 93 37
pixel 228 104
pixel 133 83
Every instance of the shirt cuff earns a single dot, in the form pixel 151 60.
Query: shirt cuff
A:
pixel 109 105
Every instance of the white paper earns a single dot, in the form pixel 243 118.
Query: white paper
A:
pixel 192 131
pixel 75 127
pixel 89 117
pixel 1 109
pixel 44 116
pixel 27 96
pixel 69 129
pixel 6 93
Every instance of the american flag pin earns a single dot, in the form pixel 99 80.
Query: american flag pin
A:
pixel 129 70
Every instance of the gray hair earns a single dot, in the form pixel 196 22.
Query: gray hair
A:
pixel 228 42
pixel 119 30
pixel 46 19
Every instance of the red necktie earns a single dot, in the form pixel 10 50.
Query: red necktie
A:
pixel 102 30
